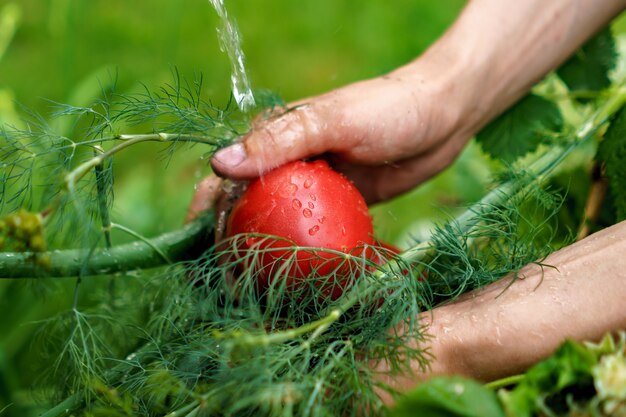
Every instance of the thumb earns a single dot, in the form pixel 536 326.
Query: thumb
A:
pixel 294 135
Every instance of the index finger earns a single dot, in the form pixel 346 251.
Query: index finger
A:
pixel 301 132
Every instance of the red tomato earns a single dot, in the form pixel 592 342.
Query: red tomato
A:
pixel 307 204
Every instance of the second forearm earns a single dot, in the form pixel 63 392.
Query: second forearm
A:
pixel 498 49
pixel 579 293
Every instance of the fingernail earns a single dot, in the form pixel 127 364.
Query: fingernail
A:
pixel 232 156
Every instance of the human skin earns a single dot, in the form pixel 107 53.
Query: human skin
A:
pixel 391 133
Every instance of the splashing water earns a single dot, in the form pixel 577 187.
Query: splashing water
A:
pixel 230 42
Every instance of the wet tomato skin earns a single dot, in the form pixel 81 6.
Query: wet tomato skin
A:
pixel 306 204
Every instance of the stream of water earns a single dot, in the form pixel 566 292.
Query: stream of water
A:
pixel 230 42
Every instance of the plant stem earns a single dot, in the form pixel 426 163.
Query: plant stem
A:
pixel 101 187
pixel 129 140
pixel 179 245
pixel 143 239
pixel 595 199
pixel 505 382
pixel 64 408
pixel 184 410
pixel 286 335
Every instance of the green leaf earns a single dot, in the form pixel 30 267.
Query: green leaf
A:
pixel 520 129
pixel 588 68
pixel 449 396
pixel 612 151
pixel 568 369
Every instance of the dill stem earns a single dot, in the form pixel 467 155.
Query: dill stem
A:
pixel 129 140
pixel 143 239
pixel 595 199
pixel 178 245
pixel 286 335
pixel 105 218
pixel 103 209
pixel 505 382
pixel 185 410
pixel 66 407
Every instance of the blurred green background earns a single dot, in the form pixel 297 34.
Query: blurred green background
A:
pixel 63 50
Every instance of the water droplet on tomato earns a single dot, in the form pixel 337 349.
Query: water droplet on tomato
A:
pixel 288 190
pixel 313 230
pixel 311 205
pixel 343 230
pixel 322 219
pixel 313 197
pixel 308 182
pixel 307 213
pixel 296 204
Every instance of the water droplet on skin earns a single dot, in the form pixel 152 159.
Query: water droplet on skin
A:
pixel 498 336
pixel 307 213
pixel 322 219
pixel 296 204
pixel 313 230
pixel 308 182
pixel 311 205
pixel 288 190
pixel 343 230
pixel 313 197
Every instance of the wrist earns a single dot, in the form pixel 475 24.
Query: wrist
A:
pixel 481 75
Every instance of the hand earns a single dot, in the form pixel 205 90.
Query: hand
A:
pixel 387 134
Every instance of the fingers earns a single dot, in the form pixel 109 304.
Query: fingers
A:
pixel 360 122
pixel 389 135
pixel 207 193
pixel 380 183
pixel 297 134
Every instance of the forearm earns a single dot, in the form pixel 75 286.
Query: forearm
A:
pixel 497 49
pixel 501 330
pixel 506 327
